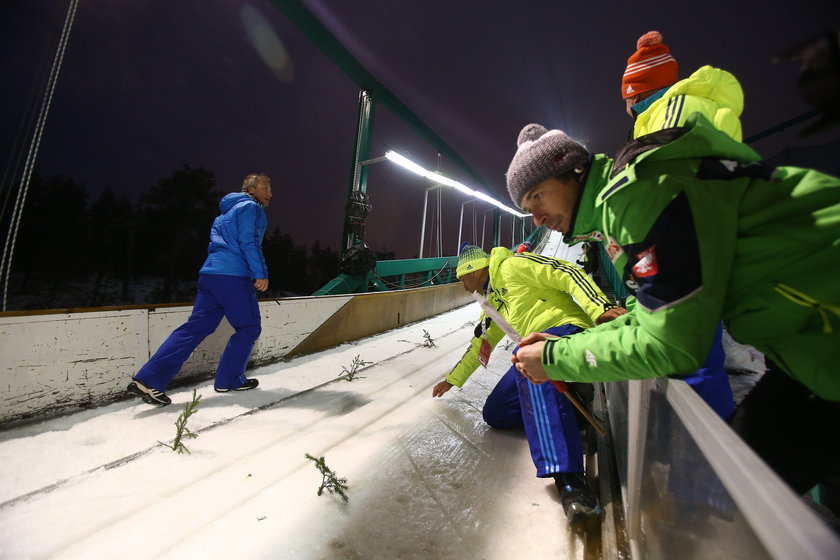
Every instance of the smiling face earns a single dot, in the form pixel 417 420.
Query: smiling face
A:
pixel 553 203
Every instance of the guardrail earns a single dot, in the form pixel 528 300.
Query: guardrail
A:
pixel 691 487
pixel 55 361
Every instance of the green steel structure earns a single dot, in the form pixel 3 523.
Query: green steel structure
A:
pixel 395 275
pixel 386 275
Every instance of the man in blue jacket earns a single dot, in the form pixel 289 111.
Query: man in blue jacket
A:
pixel 234 268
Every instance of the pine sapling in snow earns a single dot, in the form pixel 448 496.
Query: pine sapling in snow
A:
pixel 181 430
pixel 351 374
pixel 330 481
pixel 429 341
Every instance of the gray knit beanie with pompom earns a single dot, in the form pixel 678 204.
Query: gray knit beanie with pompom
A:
pixel 542 154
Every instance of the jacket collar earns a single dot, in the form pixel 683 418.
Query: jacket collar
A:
pixel 586 224
pixel 643 105
pixel 642 144
pixel 252 197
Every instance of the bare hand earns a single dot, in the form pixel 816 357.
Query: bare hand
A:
pixel 536 337
pixel 261 284
pixel 613 313
pixel 528 361
pixel 441 388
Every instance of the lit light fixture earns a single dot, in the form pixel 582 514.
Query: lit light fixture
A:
pixel 438 178
pixel 405 162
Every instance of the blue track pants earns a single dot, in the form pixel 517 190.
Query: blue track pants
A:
pixel 218 296
pixel 546 414
pixel 711 381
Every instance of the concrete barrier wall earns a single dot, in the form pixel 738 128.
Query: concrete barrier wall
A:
pixel 55 362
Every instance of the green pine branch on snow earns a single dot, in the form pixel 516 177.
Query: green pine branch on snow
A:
pixel 330 480
pixel 355 366
pixel 182 432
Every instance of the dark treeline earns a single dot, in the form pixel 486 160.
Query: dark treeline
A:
pixel 73 252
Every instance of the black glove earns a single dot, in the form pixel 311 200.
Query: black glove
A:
pixel 478 329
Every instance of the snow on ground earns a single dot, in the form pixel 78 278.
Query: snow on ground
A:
pixel 427 478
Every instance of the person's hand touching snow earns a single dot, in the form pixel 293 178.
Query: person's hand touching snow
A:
pixel 441 388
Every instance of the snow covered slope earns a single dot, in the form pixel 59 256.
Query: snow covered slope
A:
pixel 427 478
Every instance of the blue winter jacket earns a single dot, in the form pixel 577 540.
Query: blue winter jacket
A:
pixel 235 239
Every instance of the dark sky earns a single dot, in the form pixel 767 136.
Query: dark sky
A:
pixel 149 86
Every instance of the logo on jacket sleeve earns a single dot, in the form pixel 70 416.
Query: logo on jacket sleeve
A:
pixel 591 236
pixel 614 250
pixel 646 265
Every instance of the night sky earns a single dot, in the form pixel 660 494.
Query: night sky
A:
pixel 147 87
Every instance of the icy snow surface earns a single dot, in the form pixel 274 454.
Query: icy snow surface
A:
pixel 427 478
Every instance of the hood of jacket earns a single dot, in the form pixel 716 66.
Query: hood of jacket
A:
pixel 498 255
pixel 230 200
pixel 714 92
pixel 714 84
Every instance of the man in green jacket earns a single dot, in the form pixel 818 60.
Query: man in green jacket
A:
pixel 702 231
pixel 533 293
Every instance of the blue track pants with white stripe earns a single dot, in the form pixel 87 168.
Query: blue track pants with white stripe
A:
pixel 547 416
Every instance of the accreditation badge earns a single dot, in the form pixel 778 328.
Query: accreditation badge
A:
pixel 484 352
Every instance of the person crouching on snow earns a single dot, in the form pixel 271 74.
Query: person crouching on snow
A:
pixel 534 293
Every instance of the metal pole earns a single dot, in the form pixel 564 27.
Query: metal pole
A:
pixel 512 230
pixel 484 225
pixel 461 225
pixel 423 229
pixel 361 149
pixel 440 223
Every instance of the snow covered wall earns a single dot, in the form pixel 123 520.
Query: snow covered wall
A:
pixel 54 362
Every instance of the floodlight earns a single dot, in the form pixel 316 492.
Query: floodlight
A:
pixel 443 180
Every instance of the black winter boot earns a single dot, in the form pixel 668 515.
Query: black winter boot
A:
pixel 577 499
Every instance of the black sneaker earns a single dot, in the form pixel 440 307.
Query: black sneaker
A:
pixel 249 384
pixel 149 395
pixel 577 499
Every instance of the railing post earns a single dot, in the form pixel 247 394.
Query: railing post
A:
pixel 638 406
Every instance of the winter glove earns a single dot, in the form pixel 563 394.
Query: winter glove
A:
pixel 478 330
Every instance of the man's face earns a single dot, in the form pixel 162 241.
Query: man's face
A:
pixel 474 281
pixel 552 203
pixel 262 192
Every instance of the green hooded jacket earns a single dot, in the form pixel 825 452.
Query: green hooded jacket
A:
pixel 703 231
pixel 533 293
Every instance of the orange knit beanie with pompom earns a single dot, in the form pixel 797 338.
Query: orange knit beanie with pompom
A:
pixel 650 68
